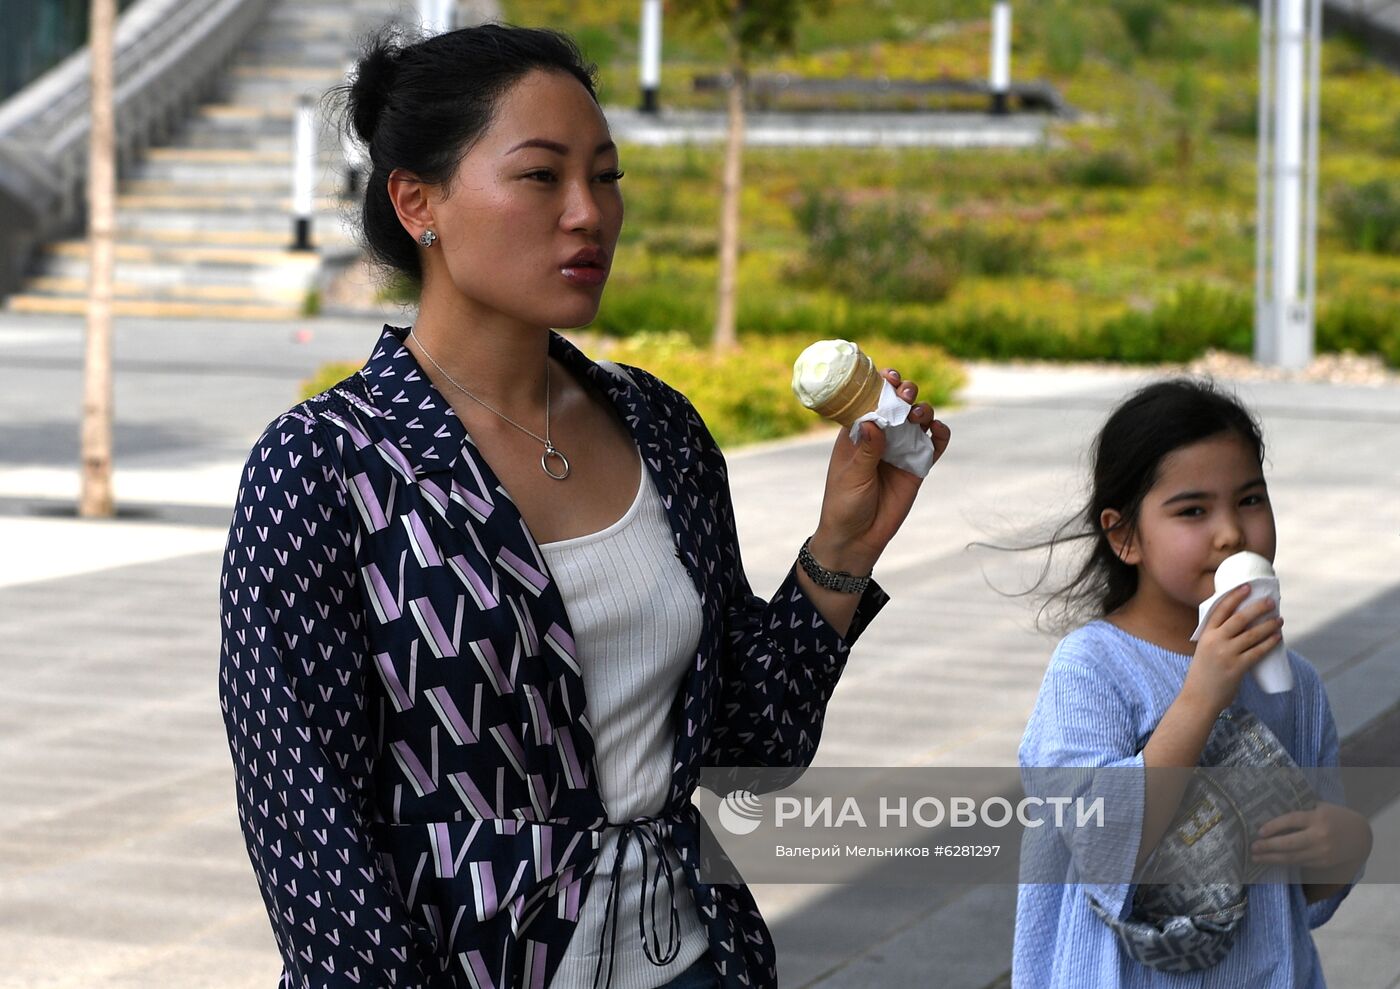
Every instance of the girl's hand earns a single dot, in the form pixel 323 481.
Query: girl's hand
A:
pixel 1328 835
pixel 1232 643
pixel 866 499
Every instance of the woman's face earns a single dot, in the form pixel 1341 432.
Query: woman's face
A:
pixel 531 222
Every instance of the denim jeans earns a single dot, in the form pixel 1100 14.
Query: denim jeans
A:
pixel 701 975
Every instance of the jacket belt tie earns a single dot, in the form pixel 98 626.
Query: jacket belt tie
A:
pixel 650 833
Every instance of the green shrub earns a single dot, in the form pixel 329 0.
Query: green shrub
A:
pixel 681 241
pixel 656 306
pixel 1237 116
pixel 1183 326
pixel 819 213
pixel 327 375
pixel 1368 216
pixel 1389 346
pixel 982 250
pixel 746 395
pixel 871 252
pixel 1186 92
pixel 1143 20
pixel 1110 169
pixel 994 334
pixel 599 44
pixel 883 252
pixel 1361 325
pixel 1225 40
pixel 1064 40
pixel 964 332
pixel 1347 55
pixel 694 161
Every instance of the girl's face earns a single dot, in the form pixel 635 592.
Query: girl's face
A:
pixel 1209 502
pixel 539 187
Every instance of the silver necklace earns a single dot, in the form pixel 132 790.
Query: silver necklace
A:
pixel 550 452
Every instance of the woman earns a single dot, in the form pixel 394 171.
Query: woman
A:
pixel 432 565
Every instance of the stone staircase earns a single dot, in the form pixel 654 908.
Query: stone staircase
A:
pixel 204 226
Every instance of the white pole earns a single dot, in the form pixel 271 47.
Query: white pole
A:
pixel 1263 227
pixel 1287 322
pixel 1000 77
pixel 651 55
pixel 303 175
pixel 354 154
pixel 435 16
pixel 1288 174
pixel 1310 214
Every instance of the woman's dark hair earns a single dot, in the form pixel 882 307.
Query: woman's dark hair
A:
pixel 1140 433
pixel 420 105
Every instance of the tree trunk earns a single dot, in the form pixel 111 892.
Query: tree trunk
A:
pixel 726 319
pixel 95 499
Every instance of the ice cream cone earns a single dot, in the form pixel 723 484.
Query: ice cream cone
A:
pixel 858 394
pixel 1273 673
pixel 847 399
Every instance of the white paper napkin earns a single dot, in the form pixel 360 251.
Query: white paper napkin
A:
pixel 1272 673
pixel 906 445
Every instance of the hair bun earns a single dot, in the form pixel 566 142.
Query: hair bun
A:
pixel 373 85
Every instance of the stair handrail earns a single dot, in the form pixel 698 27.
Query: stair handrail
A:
pixel 169 54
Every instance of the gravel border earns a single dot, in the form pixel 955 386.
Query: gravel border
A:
pixel 1344 368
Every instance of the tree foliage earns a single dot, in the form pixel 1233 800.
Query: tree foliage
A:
pixel 757 25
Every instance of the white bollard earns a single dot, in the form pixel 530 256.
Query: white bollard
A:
pixel 651 55
pixel 1000 76
pixel 303 174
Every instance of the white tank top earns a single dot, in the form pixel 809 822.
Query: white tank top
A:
pixel 635 617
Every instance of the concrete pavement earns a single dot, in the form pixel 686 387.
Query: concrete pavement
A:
pixel 119 844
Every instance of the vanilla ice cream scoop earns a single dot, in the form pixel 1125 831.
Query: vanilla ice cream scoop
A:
pixel 835 379
pixel 1272 673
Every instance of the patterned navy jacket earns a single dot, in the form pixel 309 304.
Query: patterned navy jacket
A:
pixel 414 765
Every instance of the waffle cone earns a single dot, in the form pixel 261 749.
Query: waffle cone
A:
pixel 858 394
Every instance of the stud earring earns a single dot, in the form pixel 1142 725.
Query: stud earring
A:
pixel 427 238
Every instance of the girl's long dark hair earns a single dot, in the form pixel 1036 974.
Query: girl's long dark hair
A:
pixel 1127 455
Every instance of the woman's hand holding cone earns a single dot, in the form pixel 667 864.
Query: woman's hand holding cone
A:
pixel 866 499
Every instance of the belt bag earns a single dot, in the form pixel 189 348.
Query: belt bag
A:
pixel 1191 895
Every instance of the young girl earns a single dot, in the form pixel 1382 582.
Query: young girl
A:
pixel 1178 487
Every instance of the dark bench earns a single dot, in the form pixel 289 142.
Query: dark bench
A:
pixel 882 93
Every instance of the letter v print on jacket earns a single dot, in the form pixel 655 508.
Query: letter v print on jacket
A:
pixel 415 773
